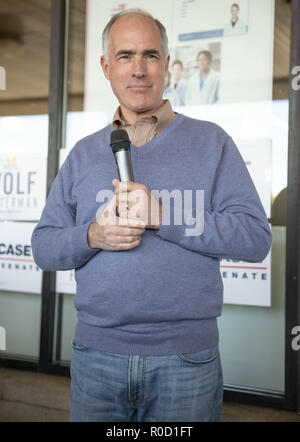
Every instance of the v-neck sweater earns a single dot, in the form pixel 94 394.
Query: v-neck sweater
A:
pixel 164 296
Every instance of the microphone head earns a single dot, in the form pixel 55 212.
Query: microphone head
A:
pixel 119 140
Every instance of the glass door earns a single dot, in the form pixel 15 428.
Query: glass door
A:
pixel 24 91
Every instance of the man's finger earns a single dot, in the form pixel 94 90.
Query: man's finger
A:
pixel 130 222
pixel 120 239
pixel 126 246
pixel 127 231
pixel 129 186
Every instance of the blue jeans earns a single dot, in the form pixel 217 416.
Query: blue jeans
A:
pixel 108 387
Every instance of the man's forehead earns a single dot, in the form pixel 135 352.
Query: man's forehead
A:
pixel 126 36
pixel 132 25
pixel 133 17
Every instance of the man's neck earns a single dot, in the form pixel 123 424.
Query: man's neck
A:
pixel 133 117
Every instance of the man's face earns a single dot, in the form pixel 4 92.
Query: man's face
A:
pixel 203 63
pixel 235 12
pixel 136 67
pixel 176 72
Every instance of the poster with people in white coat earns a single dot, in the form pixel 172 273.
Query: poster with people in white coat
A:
pixel 216 55
pixel 194 76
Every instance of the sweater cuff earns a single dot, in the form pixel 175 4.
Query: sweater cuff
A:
pixel 81 249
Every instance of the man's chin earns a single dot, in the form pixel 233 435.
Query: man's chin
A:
pixel 142 108
pixel 145 106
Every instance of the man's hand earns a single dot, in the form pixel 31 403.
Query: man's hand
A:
pixel 110 232
pixel 135 202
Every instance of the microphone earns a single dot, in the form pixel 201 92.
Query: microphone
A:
pixel 120 145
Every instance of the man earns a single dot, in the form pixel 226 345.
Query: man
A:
pixel 203 86
pixel 235 26
pixel 176 90
pixel 149 288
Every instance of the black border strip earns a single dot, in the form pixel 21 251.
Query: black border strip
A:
pixel 292 357
pixel 56 118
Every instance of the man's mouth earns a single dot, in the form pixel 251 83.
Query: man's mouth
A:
pixel 138 87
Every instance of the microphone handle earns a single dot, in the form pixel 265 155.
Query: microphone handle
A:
pixel 124 167
pixel 123 161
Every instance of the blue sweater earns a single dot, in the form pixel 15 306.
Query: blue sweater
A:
pixel 164 296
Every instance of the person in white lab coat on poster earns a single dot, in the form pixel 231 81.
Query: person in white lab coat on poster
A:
pixel 203 86
pixel 235 26
pixel 176 90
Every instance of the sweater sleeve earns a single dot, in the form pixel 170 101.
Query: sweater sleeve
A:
pixel 237 226
pixel 57 242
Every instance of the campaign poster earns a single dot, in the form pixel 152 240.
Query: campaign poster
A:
pixel 200 19
pixel 247 283
pixel 257 155
pixel 18 271
pixel 244 283
pixel 221 52
pixel 194 74
pixel 65 282
pixel 22 186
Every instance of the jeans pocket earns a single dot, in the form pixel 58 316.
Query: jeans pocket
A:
pixel 77 346
pixel 200 357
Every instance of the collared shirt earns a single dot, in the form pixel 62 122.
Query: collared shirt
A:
pixel 147 127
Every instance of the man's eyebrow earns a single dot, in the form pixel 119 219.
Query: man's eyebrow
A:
pixel 151 51
pixel 130 52
pixel 125 51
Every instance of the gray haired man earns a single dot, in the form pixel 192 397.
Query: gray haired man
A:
pixel 148 295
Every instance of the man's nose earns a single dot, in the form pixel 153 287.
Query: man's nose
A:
pixel 139 68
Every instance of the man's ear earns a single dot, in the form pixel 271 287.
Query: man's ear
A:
pixel 104 66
